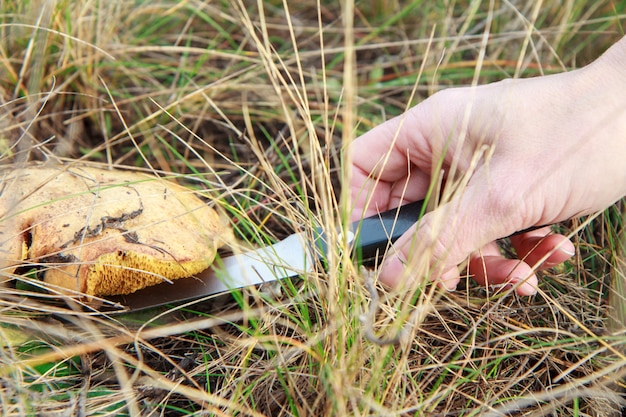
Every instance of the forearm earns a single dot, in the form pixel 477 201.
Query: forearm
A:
pixel 613 62
pixel 619 50
pixel 609 75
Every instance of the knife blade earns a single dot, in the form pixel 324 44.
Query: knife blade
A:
pixel 295 255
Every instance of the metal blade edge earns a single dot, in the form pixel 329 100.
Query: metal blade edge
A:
pixel 287 258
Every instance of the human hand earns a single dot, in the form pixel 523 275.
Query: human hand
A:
pixel 516 153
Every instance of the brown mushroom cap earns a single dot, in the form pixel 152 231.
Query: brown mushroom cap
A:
pixel 104 232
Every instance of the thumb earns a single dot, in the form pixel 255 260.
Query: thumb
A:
pixel 445 237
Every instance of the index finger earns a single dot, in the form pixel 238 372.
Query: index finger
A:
pixel 390 165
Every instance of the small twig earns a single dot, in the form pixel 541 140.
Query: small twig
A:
pixel 368 318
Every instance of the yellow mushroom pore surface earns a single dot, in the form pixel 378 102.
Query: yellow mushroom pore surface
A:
pixel 127 272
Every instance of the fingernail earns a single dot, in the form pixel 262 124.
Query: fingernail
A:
pixel 525 288
pixel 449 281
pixel 568 249
pixel 391 271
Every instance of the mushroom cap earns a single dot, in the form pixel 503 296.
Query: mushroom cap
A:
pixel 104 232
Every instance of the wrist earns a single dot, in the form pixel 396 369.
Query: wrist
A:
pixel 612 64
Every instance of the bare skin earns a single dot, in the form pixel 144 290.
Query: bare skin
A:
pixel 531 151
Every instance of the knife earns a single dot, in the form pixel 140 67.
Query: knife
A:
pixel 296 255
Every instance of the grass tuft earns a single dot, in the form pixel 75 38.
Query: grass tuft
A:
pixel 253 104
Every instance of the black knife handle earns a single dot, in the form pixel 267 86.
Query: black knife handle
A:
pixel 374 234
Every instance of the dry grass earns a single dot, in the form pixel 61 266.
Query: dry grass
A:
pixel 253 104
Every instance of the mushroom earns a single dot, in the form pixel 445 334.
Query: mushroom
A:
pixel 104 232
